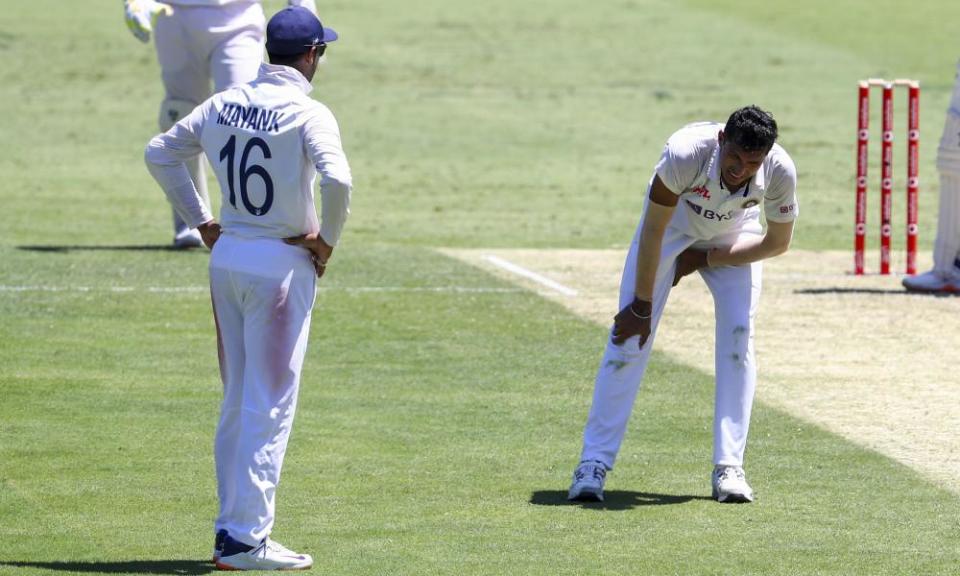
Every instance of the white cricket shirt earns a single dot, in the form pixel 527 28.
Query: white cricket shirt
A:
pixel 690 168
pixel 266 142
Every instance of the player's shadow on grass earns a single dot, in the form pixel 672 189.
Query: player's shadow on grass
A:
pixel 63 249
pixel 185 567
pixel 612 499
pixel 900 292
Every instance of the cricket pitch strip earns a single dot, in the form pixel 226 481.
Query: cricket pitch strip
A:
pixel 855 355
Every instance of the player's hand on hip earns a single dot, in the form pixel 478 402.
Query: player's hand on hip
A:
pixel 142 16
pixel 320 251
pixel 633 320
pixel 688 262
pixel 209 233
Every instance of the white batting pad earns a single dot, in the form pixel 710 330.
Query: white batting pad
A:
pixel 946 249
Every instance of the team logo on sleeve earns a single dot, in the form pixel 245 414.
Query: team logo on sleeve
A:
pixel 786 209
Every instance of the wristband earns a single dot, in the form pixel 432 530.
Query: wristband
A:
pixel 638 315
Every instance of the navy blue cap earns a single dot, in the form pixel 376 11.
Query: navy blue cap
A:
pixel 294 29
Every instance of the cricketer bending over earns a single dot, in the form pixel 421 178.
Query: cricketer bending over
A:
pixel 945 276
pixel 196 41
pixel 267 141
pixel 703 214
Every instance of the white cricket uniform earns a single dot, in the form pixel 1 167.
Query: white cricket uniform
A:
pixel 707 216
pixel 946 248
pixel 267 140
pixel 204 40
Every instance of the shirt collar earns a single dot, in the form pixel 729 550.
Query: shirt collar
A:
pixel 279 74
pixel 713 171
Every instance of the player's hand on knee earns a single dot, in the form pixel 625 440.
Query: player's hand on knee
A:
pixel 142 16
pixel 688 262
pixel 320 251
pixel 633 320
pixel 209 233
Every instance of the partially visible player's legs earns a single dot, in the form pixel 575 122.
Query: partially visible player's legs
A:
pixel 228 316
pixel 622 367
pixel 945 276
pixel 186 81
pixel 946 250
pixel 277 304
pixel 230 342
pixel 170 112
pixel 947 247
pixel 736 294
pixel 238 50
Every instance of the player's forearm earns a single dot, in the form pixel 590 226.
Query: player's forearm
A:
pixel 181 191
pixel 656 218
pixel 187 202
pixel 749 250
pixel 335 208
pixel 648 261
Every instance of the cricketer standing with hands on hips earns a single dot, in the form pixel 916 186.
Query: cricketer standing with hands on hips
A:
pixel 702 214
pixel 198 41
pixel 267 141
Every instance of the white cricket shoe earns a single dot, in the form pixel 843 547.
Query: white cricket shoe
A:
pixel 933 282
pixel 588 481
pixel 268 555
pixel 187 238
pixel 730 485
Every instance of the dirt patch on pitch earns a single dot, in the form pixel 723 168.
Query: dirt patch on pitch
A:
pixel 855 355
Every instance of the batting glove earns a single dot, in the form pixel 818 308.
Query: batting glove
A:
pixel 142 16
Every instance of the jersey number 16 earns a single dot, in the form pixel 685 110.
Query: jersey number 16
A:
pixel 228 152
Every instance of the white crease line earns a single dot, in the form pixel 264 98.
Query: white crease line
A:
pixel 529 274
pixel 454 289
pixel 205 289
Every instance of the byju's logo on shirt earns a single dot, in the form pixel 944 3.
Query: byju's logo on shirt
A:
pixel 707 213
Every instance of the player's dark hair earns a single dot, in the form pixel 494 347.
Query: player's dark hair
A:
pixel 751 128
pixel 285 59
pixel 289 59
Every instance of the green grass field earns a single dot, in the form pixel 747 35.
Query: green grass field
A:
pixel 441 408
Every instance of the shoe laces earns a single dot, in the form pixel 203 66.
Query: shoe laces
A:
pixel 727 471
pixel 597 470
pixel 279 548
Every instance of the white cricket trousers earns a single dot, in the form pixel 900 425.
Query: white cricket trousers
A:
pixel 198 44
pixel 263 293
pixel 736 294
